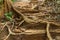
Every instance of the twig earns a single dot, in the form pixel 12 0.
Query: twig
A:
pixel 48 33
pixel 4 25
pixel 7 37
pixel 34 6
pixel 21 22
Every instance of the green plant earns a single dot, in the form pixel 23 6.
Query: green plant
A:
pixel 1 2
pixel 9 16
pixel 13 0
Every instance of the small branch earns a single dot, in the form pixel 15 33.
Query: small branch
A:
pixel 21 22
pixel 34 6
pixel 7 37
pixel 48 33
pixel 4 25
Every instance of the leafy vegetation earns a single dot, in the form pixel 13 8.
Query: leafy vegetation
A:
pixel 1 1
pixel 9 16
pixel 13 0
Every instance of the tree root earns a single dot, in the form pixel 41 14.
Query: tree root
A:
pixel 48 33
pixel 26 19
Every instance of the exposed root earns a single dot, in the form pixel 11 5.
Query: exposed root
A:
pixel 21 22
pixel 48 33
pixel 26 19
pixel 7 37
